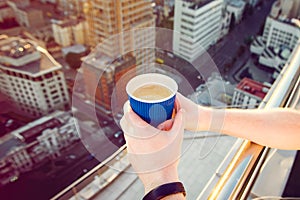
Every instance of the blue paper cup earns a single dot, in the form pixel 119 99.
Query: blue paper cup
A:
pixel 153 112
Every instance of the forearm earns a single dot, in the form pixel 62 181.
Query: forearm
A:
pixel 277 128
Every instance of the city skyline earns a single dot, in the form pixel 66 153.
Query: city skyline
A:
pixel 64 64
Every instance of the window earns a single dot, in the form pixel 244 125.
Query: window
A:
pixel 49 75
pixel 54 91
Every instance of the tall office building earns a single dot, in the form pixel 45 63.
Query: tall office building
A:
pixel 124 17
pixel 197 25
pixel 124 33
pixel 30 77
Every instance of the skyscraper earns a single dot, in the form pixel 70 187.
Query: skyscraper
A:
pixel 197 25
pixel 30 77
pixel 123 34
pixel 126 18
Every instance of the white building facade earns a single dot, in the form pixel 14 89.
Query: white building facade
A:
pixel 67 33
pixel 236 9
pixel 31 78
pixel 196 27
pixel 39 141
pixel 280 32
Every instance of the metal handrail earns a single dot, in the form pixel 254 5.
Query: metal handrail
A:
pixel 80 183
pixel 249 158
pixel 244 165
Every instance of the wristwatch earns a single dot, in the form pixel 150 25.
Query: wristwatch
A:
pixel 165 190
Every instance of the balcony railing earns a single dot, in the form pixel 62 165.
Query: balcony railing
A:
pixel 96 179
pixel 237 174
pixel 238 171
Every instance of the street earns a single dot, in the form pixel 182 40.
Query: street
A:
pixel 223 52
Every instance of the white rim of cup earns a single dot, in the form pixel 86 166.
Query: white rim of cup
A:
pixel 160 79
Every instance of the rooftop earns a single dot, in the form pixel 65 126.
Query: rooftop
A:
pixel 258 42
pixel 31 134
pixel 77 48
pixel 282 52
pixel 103 62
pixel 24 56
pixel 66 23
pixel 8 145
pixel 236 3
pixel 198 4
pixel 33 129
pixel 214 92
pixel 15 47
pixel 98 60
pixel 253 87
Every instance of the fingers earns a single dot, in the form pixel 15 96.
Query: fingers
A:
pixel 179 121
pixel 177 104
pixel 136 127
pixel 167 125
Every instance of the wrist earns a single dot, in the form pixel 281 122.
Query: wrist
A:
pixel 155 179
pixel 203 118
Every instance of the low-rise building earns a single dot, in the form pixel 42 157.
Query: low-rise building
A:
pixel 35 143
pixel 226 18
pixel 280 34
pixel 280 31
pixel 274 57
pixel 27 16
pixel 258 45
pixel 7 172
pixel 253 3
pixel 6 12
pixel 215 92
pixel 31 78
pixel 20 158
pixel 249 93
pixel 236 9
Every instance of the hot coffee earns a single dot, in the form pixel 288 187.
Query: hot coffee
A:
pixel 152 92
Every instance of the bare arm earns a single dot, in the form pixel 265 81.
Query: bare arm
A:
pixel 277 128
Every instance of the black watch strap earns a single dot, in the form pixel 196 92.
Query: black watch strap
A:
pixel 165 190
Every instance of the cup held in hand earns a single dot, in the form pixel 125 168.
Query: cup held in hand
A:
pixel 152 97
